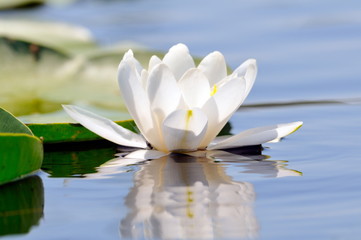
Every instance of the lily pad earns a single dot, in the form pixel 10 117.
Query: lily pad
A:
pixel 9 124
pixel 58 127
pixel 38 79
pixel 62 117
pixel 25 69
pixel 65 38
pixel 69 132
pixel 21 151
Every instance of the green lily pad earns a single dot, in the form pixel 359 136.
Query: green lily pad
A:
pixel 21 152
pixel 21 205
pixel 69 132
pixel 38 79
pixel 25 69
pixel 9 124
pixel 62 117
pixel 58 127
pixel 61 37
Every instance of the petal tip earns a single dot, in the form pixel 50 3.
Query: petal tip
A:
pixel 252 61
pixel 69 108
pixel 128 54
pixel 179 46
pixel 217 53
pixel 298 125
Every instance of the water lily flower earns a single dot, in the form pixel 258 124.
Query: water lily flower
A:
pixel 180 107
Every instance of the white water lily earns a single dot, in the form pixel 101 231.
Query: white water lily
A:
pixel 179 107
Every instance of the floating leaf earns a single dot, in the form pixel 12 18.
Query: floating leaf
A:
pixel 21 155
pixel 69 132
pixel 64 38
pixel 25 69
pixel 37 79
pixel 62 117
pixel 21 152
pixel 10 124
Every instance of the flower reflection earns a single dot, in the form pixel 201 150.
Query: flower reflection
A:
pixel 185 197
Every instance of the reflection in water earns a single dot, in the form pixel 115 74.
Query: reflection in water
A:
pixel 255 164
pixel 76 162
pixel 21 205
pixel 184 197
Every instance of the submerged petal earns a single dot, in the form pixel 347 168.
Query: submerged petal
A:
pixel 214 67
pixel 105 127
pixel 178 60
pixel 256 136
pixel 184 129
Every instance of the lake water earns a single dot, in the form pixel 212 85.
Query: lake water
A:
pixel 307 186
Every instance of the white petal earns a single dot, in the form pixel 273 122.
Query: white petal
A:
pixel 129 57
pixel 105 127
pixel 256 136
pixel 163 92
pixel 146 154
pixel 136 100
pixel 144 75
pixel 154 61
pixel 134 95
pixel 219 139
pixel 184 129
pixel 220 107
pixel 178 60
pixel 214 67
pixel 195 88
pixel 248 69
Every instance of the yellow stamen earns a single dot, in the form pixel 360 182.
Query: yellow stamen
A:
pixel 214 89
pixel 188 118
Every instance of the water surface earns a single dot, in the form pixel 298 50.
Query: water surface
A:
pixel 308 186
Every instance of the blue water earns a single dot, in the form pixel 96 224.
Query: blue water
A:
pixel 306 51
